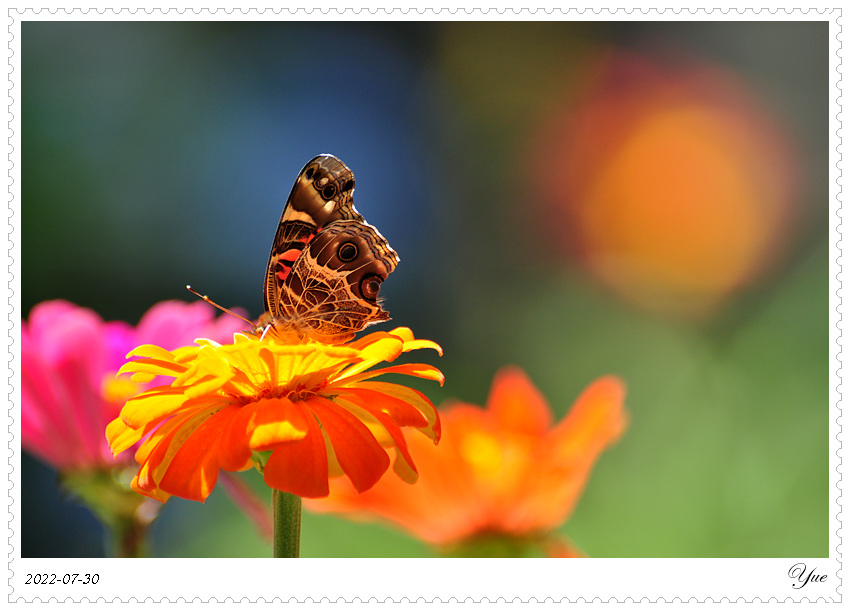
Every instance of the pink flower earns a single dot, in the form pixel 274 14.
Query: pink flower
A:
pixel 69 357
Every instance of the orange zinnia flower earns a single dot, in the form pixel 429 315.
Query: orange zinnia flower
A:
pixel 677 188
pixel 501 473
pixel 301 413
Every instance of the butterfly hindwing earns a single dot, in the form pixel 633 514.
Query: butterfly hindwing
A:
pixel 333 287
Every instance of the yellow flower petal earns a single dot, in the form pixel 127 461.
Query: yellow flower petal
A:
pixel 152 366
pixel 152 405
pixel 274 421
pixel 386 349
pixel 150 351
pixel 121 437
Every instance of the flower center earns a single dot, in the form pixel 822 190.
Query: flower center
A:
pixel 483 453
pixel 296 394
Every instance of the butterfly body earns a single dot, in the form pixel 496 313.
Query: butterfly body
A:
pixel 326 264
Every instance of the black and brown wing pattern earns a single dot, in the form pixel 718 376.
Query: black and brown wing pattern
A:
pixel 327 264
pixel 332 290
pixel 322 194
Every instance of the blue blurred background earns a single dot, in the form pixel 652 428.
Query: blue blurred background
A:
pixel 644 199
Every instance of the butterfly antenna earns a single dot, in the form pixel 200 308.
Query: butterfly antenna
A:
pixel 214 304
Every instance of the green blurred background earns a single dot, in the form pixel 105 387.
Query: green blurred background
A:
pixel 644 199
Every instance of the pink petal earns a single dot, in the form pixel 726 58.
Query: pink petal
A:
pixel 172 324
pixel 60 413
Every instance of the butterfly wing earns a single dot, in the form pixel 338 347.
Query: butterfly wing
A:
pixel 322 194
pixel 327 264
pixel 331 291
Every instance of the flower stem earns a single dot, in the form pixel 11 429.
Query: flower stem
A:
pixel 286 509
pixel 126 515
pixel 129 539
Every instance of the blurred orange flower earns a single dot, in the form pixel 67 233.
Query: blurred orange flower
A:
pixel 674 186
pixel 503 472
pixel 301 413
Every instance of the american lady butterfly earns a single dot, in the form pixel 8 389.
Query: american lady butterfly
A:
pixel 327 264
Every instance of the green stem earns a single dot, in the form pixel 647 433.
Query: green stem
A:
pixel 129 539
pixel 125 514
pixel 286 509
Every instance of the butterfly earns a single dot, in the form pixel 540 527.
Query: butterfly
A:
pixel 326 264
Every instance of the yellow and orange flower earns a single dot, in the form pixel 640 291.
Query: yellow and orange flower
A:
pixel 503 472
pixel 301 413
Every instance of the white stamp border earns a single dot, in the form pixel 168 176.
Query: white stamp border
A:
pixel 426 580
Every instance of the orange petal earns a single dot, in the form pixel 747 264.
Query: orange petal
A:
pixel 359 454
pixel 517 404
pixel 155 455
pixel 151 491
pixel 596 419
pixel 193 471
pixel 300 467
pixel 165 429
pixel 419 370
pixel 234 449
pixel 402 412
pixel 414 398
pixel 261 425
pixel 334 468
pixel 443 506
pixel 157 452
pixel 403 464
